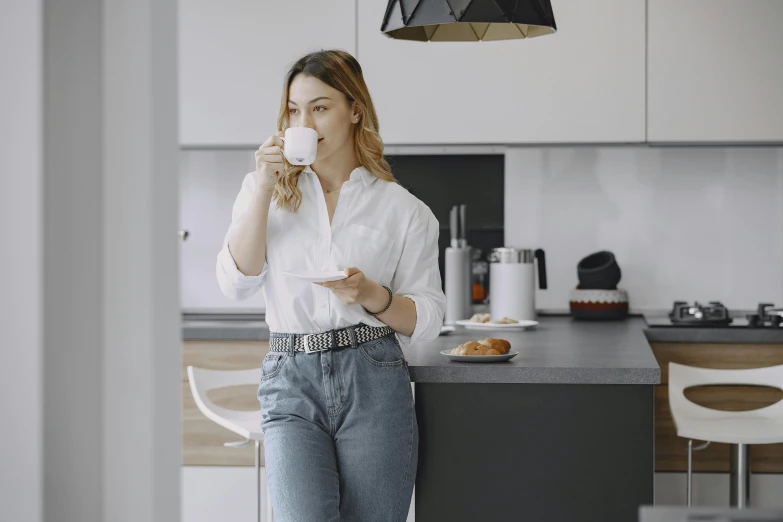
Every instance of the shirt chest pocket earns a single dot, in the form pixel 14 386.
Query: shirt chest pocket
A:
pixel 371 251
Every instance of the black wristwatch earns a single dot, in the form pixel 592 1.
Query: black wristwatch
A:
pixel 391 296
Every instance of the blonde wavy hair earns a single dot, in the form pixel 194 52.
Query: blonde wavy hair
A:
pixel 341 71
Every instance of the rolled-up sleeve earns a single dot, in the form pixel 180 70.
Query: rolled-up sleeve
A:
pixel 418 276
pixel 233 283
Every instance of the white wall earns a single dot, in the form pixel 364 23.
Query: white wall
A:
pixel 685 223
pixel 691 223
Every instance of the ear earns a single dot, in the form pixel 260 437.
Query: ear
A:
pixel 356 114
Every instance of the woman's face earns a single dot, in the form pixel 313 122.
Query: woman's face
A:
pixel 312 103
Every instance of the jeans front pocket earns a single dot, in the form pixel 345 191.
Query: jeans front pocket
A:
pixel 383 352
pixel 272 364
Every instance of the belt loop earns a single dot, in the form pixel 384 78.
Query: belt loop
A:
pixel 333 340
pixel 291 344
pixel 352 333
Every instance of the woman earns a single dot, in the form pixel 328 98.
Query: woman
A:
pixel 340 432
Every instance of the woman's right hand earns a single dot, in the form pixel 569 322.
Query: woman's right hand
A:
pixel 269 161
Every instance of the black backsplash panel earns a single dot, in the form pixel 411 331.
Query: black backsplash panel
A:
pixel 442 181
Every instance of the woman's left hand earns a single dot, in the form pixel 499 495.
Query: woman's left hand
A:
pixel 354 289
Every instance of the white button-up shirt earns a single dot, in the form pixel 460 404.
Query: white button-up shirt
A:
pixel 378 227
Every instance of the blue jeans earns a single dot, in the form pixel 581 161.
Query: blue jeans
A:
pixel 340 433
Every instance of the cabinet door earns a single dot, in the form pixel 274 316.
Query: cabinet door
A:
pixel 233 56
pixel 715 71
pixel 583 84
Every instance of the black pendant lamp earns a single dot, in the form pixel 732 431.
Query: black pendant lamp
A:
pixel 467 20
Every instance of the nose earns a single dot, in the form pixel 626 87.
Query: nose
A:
pixel 306 120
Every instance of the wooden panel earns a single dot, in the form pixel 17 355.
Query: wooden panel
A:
pixel 671 450
pixel 202 439
pixel 719 356
pixel 223 355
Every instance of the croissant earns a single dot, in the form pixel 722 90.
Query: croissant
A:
pixel 501 345
pixel 504 320
pixel 489 346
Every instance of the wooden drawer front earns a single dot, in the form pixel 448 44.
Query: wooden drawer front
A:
pixel 223 355
pixel 723 356
pixel 671 450
pixel 202 439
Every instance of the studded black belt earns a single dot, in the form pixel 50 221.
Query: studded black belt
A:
pixel 353 335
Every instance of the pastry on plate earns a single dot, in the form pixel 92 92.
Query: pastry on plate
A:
pixel 504 320
pixel 488 346
pixel 480 318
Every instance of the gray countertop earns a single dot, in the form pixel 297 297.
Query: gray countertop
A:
pixel 559 350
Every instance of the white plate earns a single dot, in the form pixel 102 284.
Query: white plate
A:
pixel 473 325
pixel 480 358
pixel 316 276
pixel 446 330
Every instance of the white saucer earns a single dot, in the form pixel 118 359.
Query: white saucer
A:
pixel 316 276
pixel 479 358
pixel 473 325
pixel 446 330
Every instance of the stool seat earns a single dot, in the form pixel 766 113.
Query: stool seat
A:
pixel 738 428
pixel 761 426
pixel 242 422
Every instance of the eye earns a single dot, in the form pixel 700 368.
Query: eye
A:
pixel 292 110
pixel 320 107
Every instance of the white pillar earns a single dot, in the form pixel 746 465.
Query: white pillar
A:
pixel 21 262
pixel 90 302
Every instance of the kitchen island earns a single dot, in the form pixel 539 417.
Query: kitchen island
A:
pixel 563 431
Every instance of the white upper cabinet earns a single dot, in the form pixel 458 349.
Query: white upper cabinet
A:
pixel 715 71
pixel 583 84
pixel 233 55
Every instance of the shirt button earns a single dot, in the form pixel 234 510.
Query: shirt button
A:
pixel 323 305
pixel 323 269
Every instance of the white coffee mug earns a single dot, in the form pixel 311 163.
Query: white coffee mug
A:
pixel 300 145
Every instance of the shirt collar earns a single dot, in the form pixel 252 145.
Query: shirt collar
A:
pixel 367 177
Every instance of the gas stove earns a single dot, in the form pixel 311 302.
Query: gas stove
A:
pixel 711 314
pixel 767 316
pixel 714 314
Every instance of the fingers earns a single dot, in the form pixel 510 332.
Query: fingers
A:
pixel 269 150
pixel 273 140
pixel 272 158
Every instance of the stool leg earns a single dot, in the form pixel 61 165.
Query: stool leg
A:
pixel 258 480
pixel 739 493
pixel 689 486
pixel 268 504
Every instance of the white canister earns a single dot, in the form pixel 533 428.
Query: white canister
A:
pixel 512 282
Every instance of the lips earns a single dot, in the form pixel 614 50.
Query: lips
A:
pixel 320 140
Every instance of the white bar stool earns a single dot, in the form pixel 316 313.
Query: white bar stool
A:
pixel 738 428
pixel 244 423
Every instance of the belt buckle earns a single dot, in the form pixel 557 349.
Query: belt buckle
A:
pixel 306 341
